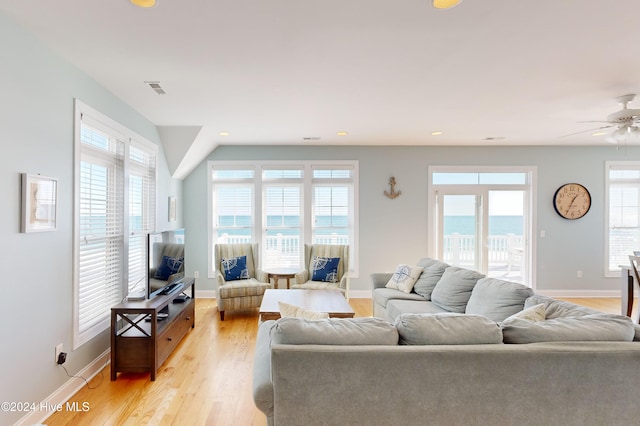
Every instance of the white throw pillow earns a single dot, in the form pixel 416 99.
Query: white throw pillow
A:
pixel 534 314
pixel 404 277
pixel 293 311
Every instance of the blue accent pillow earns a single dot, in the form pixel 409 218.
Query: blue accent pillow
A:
pixel 325 269
pixel 168 267
pixel 235 268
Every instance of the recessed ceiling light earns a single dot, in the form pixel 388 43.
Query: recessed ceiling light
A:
pixel 342 133
pixel 445 4
pixel 599 133
pixel 144 3
pixel 436 133
pixel 224 133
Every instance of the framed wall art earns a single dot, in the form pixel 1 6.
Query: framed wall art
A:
pixel 39 203
pixel 172 209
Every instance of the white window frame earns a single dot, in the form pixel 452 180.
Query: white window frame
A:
pixel 621 165
pixel 307 182
pixel 83 333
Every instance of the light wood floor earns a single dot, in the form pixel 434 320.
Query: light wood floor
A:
pixel 206 381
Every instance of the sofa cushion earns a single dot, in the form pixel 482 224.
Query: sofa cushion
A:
pixel 398 307
pixel 334 331
pixel 447 329
pixel 235 268
pixel 497 299
pixel 453 290
pixel 382 295
pixel 404 278
pixel 559 308
pixel 292 311
pixel 325 269
pixel 431 274
pixel 596 327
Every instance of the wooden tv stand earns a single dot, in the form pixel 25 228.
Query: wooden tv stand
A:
pixel 141 343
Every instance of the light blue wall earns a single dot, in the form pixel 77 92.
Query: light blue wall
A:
pixel 36 135
pixel 395 231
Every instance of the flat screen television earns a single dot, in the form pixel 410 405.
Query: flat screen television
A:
pixel 166 260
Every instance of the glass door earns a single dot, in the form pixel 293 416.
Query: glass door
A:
pixel 482 220
pixel 462 230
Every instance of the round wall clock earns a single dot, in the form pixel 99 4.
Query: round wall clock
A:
pixel 572 201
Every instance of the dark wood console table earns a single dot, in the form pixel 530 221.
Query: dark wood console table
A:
pixel 140 342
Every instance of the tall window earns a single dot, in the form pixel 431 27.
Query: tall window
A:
pixel 282 215
pixel 332 205
pixel 284 205
pixel 623 213
pixel 112 216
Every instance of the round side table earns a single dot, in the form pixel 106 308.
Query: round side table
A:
pixel 281 273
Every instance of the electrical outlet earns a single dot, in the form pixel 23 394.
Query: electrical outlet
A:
pixel 579 274
pixel 59 349
pixel 196 274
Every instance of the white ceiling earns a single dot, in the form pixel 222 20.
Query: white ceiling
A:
pixel 387 72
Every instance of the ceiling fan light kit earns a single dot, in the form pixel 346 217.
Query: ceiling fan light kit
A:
pixel 144 3
pixel 625 122
pixel 445 4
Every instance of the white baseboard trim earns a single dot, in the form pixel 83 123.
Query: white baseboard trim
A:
pixel 359 294
pixel 205 294
pixel 64 393
pixel 579 293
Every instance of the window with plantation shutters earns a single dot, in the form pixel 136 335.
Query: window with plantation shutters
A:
pixel 282 216
pixel 114 209
pixel 283 206
pixel 332 205
pixel 142 209
pixel 623 213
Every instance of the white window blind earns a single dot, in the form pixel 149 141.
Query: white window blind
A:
pixel 233 204
pixel 142 202
pixel 332 205
pixel 282 216
pixel 101 227
pixel 623 224
pixel 115 209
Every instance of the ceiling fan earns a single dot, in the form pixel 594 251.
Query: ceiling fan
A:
pixel 625 121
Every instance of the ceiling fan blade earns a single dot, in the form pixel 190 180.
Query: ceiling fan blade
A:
pixel 597 121
pixel 588 130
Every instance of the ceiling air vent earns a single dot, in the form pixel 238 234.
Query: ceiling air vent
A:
pixel 311 138
pixel 155 85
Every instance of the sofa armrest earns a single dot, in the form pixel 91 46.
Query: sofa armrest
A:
pixel 262 276
pixel 262 383
pixel 380 279
pixel 302 277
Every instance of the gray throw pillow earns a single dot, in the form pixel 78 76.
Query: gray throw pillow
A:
pixel 447 329
pixel 453 290
pixel 598 327
pixel 433 270
pixel 334 331
pixel 497 299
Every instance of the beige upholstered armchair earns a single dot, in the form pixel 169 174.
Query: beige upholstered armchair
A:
pixel 239 282
pixel 322 271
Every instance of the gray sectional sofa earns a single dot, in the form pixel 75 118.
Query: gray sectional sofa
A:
pixel 477 351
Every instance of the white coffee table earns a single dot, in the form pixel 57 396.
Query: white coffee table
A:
pixel 329 301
